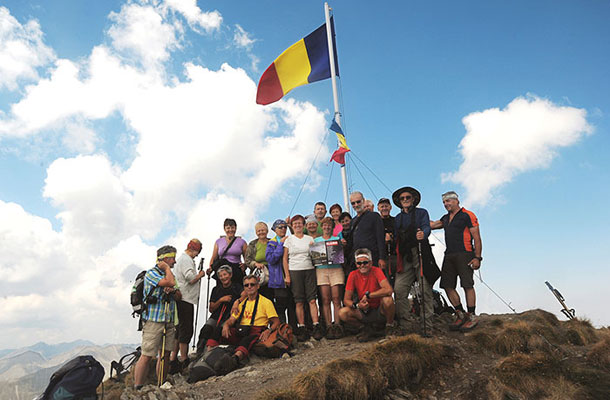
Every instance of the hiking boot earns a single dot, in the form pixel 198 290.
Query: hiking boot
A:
pixel 318 332
pixel 458 322
pixel 470 322
pixel 174 367
pixel 331 332
pixel 338 330
pixel 365 336
pixel 302 334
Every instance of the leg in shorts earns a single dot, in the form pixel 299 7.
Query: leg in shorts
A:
pixel 152 337
pixel 455 265
pixel 330 276
pixel 303 285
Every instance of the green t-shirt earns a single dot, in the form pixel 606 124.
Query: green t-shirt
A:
pixel 261 248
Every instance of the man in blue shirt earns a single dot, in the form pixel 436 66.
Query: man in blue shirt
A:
pixel 160 295
pixel 411 225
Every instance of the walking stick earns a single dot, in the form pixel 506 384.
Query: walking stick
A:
pixel 423 294
pixel 207 299
pixel 197 314
pixel 162 363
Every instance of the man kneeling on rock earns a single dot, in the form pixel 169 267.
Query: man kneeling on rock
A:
pixel 375 305
pixel 248 322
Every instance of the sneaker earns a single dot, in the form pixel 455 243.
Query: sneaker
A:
pixel 302 334
pixel 458 322
pixel 318 333
pixel 470 322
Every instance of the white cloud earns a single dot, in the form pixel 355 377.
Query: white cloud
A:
pixel 242 38
pixel 22 50
pixel 204 151
pixel 500 144
pixel 139 31
pixel 195 17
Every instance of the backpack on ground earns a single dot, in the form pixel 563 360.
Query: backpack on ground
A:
pixel 438 300
pixel 121 367
pixel 77 379
pixel 278 342
pixel 212 363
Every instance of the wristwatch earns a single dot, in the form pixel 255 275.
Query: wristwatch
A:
pixel 367 294
pixel 355 306
pixel 479 258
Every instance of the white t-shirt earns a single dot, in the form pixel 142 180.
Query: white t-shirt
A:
pixel 184 272
pixel 298 253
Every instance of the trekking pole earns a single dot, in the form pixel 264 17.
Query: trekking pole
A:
pixel 421 287
pixel 162 363
pixel 568 312
pixel 198 297
pixel 207 300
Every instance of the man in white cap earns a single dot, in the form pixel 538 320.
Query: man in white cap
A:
pixel 462 257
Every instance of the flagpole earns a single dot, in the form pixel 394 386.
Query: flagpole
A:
pixel 333 78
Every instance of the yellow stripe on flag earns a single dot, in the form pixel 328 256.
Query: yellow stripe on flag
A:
pixel 292 66
pixel 342 142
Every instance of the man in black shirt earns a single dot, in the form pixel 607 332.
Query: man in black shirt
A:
pixel 384 206
pixel 367 231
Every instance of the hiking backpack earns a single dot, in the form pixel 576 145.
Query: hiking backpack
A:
pixel 438 300
pixel 77 379
pixel 137 298
pixel 278 342
pixel 212 363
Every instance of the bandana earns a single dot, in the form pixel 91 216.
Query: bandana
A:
pixel 194 245
pixel 450 195
pixel 166 255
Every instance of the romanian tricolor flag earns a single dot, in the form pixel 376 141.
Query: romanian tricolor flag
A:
pixel 339 154
pixel 304 62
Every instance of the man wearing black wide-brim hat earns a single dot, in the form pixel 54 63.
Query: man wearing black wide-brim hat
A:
pixel 412 227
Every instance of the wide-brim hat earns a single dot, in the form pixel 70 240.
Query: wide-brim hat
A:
pixel 396 195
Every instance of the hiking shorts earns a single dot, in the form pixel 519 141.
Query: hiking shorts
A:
pixel 374 316
pixel 152 337
pixel 303 285
pixel 330 276
pixel 454 265
pixel 185 324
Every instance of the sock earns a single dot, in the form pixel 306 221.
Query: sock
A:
pixel 459 308
pixel 138 387
pixel 300 326
pixel 471 309
pixel 316 324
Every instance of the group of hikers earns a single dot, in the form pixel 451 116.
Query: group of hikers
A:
pixel 324 275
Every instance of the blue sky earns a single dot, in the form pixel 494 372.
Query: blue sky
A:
pixel 126 125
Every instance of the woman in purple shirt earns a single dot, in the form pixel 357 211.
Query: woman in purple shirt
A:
pixel 236 252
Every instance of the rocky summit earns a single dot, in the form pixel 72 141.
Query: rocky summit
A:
pixel 531 355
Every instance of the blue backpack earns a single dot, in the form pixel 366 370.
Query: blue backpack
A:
pixel 77 379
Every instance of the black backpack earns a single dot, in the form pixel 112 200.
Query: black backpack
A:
pixel 138 300
pixel 212 363
pixel 77 379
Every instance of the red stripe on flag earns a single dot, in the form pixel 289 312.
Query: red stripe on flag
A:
pixel 269 87
pixel 339 155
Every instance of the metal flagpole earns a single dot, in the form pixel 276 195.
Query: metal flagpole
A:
pixel 333 78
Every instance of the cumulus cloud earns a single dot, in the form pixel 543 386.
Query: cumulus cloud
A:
pixel 502 143
pixel 196 18
pixel 22 50
pixel 203 151
pixel 242 38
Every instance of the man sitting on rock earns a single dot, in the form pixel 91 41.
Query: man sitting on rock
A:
pixel 249 322
pixel 375 305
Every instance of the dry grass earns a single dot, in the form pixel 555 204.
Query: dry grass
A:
pixel 599 354
pixel 396 363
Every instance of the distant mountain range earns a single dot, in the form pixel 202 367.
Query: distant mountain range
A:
pixel 25 372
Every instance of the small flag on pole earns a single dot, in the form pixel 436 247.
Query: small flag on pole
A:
pixel 339 154
pixel 304 62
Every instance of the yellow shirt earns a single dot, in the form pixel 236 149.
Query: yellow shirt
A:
pixel 264 312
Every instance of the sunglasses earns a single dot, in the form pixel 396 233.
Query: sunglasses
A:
pixel 249 284
pixel 406 197
pixel 356 202
pixel 281 227
pixel 359 263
